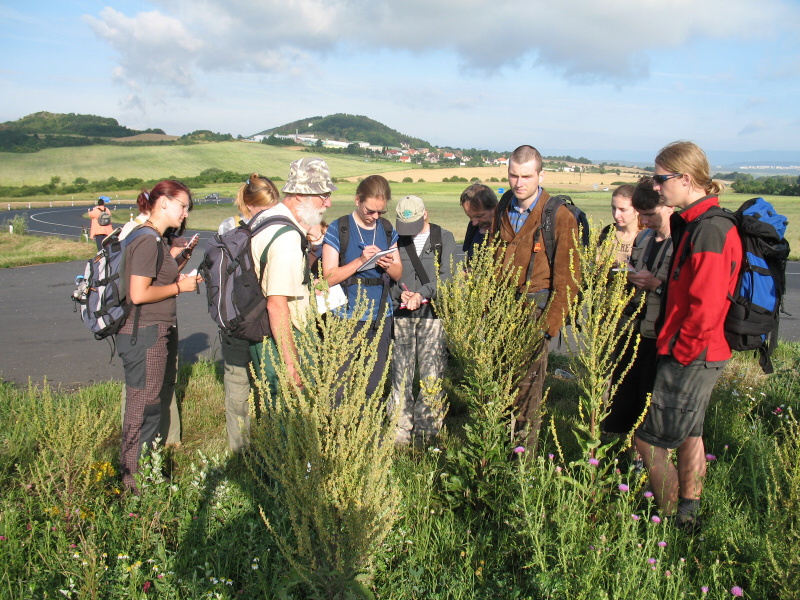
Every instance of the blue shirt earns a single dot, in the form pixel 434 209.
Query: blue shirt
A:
pixel 358 239
pixel 517 216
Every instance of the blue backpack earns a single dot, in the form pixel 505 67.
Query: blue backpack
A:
pixel 754 314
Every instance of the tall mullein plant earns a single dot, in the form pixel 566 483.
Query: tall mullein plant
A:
pixel 491 334
pixel 599 334
pixel 326 448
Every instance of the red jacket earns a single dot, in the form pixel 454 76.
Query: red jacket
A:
pixel 697 301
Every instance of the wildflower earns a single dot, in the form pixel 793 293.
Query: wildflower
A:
pixel 254 566
pixel 146 586
pixel 2 538
pixel 133 515
pixel 648 494
pixel 667 573
pixel 519 450
pixel 710 457
pixel 737 591
pixel 662 544
pixel 623 487
pixel 652 561
pixel 635 517
pixel 655 519
pixel 704 589
pixel 551 456
pixel 594 462
pixel 558 469
pixel 726 446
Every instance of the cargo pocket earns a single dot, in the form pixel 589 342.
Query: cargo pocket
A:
pixel 134 358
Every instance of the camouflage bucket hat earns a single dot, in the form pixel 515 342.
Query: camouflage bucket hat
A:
pixel 309 176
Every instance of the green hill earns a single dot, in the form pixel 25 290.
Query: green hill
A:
pixel 353 128
pixel 71 124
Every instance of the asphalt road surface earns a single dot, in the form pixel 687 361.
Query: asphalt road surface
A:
pixel 41 337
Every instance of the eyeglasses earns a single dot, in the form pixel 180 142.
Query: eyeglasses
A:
pixel 660 179
pixel 324 196
pixel 375 212
pixel 184 205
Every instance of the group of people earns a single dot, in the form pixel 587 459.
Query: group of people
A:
pixel 681 353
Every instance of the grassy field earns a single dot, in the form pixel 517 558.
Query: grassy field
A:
pixel 148 162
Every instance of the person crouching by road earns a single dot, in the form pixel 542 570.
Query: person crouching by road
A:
pixel 148 342
pixel 691 345
pixel 367 234
pixel 419 343
pixel 256 194
pixel 278 249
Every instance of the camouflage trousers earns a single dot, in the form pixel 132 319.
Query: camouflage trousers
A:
pixel 419 347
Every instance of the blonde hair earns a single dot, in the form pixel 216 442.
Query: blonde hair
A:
pixel 687 157
pixel 257 191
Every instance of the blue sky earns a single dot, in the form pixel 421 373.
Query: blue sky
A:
pixel 605 79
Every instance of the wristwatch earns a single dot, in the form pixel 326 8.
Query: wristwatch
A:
pixel 659 289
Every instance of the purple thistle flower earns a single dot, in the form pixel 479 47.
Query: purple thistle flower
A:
pixel 648 494
pixel 594 462
pixel 519 450
pixel 551 456
pixel 704 589
pixel 652 561
pixel 710 457
pixel 737 591
pixel 655 519
pixel 662 544
pixel 635 517
pixel 623 487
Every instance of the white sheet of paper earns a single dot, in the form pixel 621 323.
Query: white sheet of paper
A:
pixel 336 297
pixel 375 258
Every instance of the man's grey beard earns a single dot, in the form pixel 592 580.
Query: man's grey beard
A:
pixel 308 213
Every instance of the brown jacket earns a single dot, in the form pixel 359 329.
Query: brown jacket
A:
pixel 557 279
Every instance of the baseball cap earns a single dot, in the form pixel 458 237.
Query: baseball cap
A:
pixel 309 175
pixel 410 215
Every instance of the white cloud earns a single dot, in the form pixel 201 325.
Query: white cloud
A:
pixel 754 127
pixel 584 40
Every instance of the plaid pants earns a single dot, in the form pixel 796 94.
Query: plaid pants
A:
pixel 150 372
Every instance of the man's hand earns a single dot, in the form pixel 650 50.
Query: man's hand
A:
pixel 644 280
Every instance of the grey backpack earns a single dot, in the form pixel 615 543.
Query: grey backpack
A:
pixel 101 292
pixel 236 301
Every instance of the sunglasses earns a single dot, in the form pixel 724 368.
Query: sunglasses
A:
pixel 375 212
pixel 660 179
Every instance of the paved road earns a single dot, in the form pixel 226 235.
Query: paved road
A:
pixel 40 336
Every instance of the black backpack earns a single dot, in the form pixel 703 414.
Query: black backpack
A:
pixel 548 224
pixel 236 301
pixel 754 314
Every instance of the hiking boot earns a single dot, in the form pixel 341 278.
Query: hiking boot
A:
pixel 687 523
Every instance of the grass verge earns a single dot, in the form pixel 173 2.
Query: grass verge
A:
pixel 26 250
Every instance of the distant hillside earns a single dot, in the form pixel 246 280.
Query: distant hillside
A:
pixel 72 124
pixel 353 128
pixel 55 130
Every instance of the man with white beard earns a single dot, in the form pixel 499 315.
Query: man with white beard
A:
pixel 279 249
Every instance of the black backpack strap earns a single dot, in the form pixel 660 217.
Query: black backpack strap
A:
pixel 549 224
pixel 502 207
pixel 406 242
pixel 714 211
pixel 343 225
pixel 288 225
pixel 436 241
